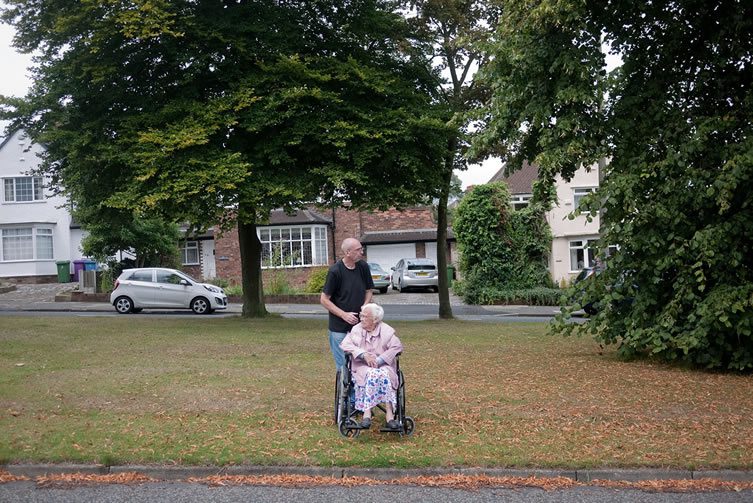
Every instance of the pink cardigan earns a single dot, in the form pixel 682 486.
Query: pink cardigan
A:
pixel 383 342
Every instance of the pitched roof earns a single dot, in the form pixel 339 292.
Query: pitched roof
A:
pixel 279 217
pixel 402 236
pixel 520 181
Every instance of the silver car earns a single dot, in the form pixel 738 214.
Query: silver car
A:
pixel 161 288
pixel 380 277
pixel 415 273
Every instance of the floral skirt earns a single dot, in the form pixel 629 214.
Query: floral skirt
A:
pixel 378 389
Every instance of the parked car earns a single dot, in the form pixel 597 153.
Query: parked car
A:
pixel 161 288
pixel 380 276
pixel 415 273
pixel 589 307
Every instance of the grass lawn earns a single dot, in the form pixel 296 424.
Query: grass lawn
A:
pixel 231 391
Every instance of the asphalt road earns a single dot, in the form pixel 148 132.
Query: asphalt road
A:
pixel 187 492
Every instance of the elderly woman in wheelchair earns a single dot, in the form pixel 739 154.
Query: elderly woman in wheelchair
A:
pixel 373 347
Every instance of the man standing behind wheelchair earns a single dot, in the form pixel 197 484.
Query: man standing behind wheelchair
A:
pixel 373 346
pixel 347 288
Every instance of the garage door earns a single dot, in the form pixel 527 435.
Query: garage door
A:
pixel 431 251
pixel 388 255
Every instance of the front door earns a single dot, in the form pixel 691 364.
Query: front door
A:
pixel 208 270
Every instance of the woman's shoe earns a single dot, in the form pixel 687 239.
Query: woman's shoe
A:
pixel 366 423
pixel 393 424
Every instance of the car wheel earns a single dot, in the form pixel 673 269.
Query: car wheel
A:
pixel 383 290
pixel 123 305
pixel 590 309
pixel 200 305
pixel 401 287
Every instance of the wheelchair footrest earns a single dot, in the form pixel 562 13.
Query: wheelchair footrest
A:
pixel 391 430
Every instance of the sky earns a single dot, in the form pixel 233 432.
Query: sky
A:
pixel 15 82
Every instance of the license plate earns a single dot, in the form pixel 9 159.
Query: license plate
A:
pixel 422 274
pixel 375 276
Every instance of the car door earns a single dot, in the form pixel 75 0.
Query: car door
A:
pixel 141 287
pixel 396 273
pixel 170 291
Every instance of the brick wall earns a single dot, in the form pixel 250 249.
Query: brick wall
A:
pixel 347 223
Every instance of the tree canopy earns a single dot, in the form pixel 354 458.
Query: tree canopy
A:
pixel 212 112
pixel 450 32
pixel 674 122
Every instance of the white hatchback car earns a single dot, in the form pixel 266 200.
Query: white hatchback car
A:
pixel 156 287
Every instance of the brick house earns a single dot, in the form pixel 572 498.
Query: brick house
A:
pixel 310 239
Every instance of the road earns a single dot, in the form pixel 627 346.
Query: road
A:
pixel 187 492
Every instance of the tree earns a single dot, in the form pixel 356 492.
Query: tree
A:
pixel 212 112
pixel 501 249
pixel 451 31
pixel 675 121
pixel 151 240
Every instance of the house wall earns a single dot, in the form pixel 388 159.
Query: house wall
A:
pixel 18 156
pixel 565 230
pixel 346 223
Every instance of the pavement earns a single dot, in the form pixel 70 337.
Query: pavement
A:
pixel 41 297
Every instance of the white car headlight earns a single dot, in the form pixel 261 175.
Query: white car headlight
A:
pixel 213 289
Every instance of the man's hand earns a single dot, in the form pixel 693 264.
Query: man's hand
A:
pixel 350 318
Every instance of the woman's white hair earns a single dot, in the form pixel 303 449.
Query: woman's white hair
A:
pixel 375 309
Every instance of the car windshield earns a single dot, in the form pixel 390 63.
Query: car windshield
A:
pixel 375 267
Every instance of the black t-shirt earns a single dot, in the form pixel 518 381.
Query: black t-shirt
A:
pixel 347 290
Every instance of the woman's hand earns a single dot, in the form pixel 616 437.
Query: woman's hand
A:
pixel 370 359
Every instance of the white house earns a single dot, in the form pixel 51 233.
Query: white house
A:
pixel 36 230
pixel 571 238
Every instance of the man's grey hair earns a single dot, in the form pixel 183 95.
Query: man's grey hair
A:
pixel 375 309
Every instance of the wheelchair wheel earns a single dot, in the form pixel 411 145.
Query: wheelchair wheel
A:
pixel 337 396
pixel 408 426
pixel 346 430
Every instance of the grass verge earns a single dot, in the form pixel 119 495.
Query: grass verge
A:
pixel 232 391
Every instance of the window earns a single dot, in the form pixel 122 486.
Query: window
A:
pixel 145 276
pixel 23 189
pixel 189 253
pixel 579 194
pixel 168 277
pixel 296 246
pixel 26 243
pixel 520 201
pixel 582 254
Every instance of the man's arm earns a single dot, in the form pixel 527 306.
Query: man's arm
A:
pixel 326 301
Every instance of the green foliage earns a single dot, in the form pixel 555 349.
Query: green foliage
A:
pixel 317 278
pixel 501 249
pixel 152 240
pixel 490 295
pixel 181 110
pixel 677 127
pixel 278 284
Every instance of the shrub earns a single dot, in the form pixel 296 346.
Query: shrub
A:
pixel 315 283
pixel 501 250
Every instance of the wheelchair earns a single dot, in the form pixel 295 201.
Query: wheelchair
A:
pixel 345 413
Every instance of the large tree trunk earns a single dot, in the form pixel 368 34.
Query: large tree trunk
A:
pixel 445 309
pixel 253 291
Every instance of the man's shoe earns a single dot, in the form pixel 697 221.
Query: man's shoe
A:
pixel 393 425
pixel 366 423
